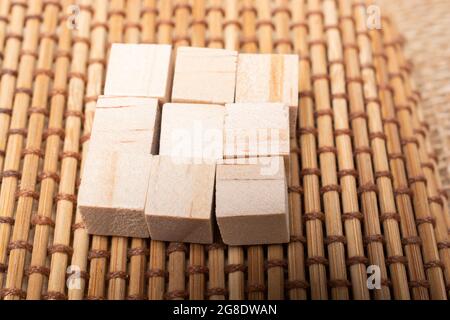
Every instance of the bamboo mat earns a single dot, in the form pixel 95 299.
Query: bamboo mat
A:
pixel 364 194
pixel 428 45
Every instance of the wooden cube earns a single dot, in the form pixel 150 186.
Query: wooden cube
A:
pixel 252 202
pixel 112 193
pixel 256 130
pixel 269 78
pixel 193 132
pixel 204 75
pixel 126 124
pixel 179 201
pixel 142 70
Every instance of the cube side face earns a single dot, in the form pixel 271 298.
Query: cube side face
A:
pixel 192 186
pixel 115 180
pixel 254 229
pixel 204 75
pixel 142 70
pixel 113 192
pixel 256 130
pixel 165 228
pixel 121 223
pixel 192 132
pixel 251 210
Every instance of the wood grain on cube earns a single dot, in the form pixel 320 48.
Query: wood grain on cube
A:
pixel 126 124
pixel 256 130
pixel 192 131
pixel 113 191
pixel 117 168
pixel 204 75
pixel 251 202
pixel 143 70
pixel 269 78
pixel 180 200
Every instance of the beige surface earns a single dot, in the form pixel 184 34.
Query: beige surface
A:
pixel 143 70
pixel 251 203
pixel 126 124
pixel 204 75
pixel 179 201
pixel 112 193
pixel 269 78
pixel 425 25
pixel 256 129
pixel 192 131
pixel 116 171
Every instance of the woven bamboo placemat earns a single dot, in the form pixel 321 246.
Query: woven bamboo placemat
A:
pixel 426 27
pixel 364 194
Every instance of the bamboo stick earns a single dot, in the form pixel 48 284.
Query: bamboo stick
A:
pixel 117 274
pixel 276 263
pixel 389 215
pixel 32 151
pixel 297 284
pixel 148 21
pixel 264 26
pixel 20 100
pixel 11 57
pixel 4 11
pixel 347 172
pixel 414 170
pixel 216 256
pixel 138 251
pixel 275 290
pixel 197 266
pixel 367 187
pixel 326 148
pixel 249 41
pixel 69 164
pixel 94 87
pixel 232 26
pixel 438 210
pixel 418 282
pixel 236 260
pixel 157 261
pixel 196 270
pixel 256 287
pixel 49 176
pixel 316 260
pixel 255 254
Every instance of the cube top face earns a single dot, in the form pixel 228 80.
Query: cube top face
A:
pixel 115 180
pixel 192 131
pixel 128 124
pixel 204 75
pixel 142 70
pixel 267 78
pixel 191 185
pixel 256 129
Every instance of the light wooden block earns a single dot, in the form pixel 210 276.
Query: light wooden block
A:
pixel 256 130
pixel 204 75
pixel 126 124
pixel 180 200
pixel 252 202
pixel 142 70
pixel 269 78
pixel 112 193
pixel 193 132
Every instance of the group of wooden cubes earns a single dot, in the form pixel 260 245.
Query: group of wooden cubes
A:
pixel 175 149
